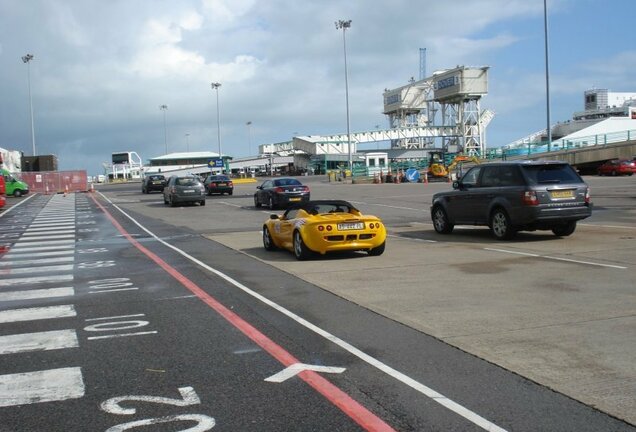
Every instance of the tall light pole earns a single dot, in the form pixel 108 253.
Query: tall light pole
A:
pixel 164 108
pixel 187 142
pixel 344 25
pixel 215 86
pixel 547 73
pixel 26 59
pixel 249 138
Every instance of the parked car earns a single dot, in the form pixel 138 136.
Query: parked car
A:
pixel 514 196
pixel 324 226
pixel 281 192
pixel 617 167
pixel 218 184
pixel 184 189
pixel 153 182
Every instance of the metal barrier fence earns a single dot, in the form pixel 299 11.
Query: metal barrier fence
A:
pixel 50 182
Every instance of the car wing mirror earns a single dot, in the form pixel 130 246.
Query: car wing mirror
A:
pixel 273 216
pixel 259 187
pixel 457 185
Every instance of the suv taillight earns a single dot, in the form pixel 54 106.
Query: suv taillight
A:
pixel 588 198
pixel 529 198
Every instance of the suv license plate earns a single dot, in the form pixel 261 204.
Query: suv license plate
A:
pixel 562 194
pixel 350 226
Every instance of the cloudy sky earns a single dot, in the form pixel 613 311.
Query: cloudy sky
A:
pixel 101 69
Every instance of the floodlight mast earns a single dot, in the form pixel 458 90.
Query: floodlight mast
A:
pixel 164 108
pixel 344 25
pixel 215 86
pixel 27 59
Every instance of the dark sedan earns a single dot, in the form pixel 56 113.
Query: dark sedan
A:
pixel 281 192
pixel 218 184
pixel 153 182
pixel 184 190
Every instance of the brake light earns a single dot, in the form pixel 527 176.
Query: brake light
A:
pixel 588 198
pixel 230 184
pixel 279 190
pixel 173 189
pixel 329 227
pixel 321 228
pixel 305 188
pixel 529 198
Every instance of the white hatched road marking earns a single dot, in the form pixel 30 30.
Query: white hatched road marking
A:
pixel 37 313
pixel 41 386
pixel 27 233
pixel 36 279
pixel 40 269
pixel 41 341
pixel 36 294
pixel 19 262
pixel 48 228
pixel 21 244
pixel 66 246
pixel 16 255
pixel 48 237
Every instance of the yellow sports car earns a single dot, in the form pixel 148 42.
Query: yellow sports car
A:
pixel 324 226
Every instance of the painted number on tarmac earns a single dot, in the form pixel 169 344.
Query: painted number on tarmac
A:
pixel 188 398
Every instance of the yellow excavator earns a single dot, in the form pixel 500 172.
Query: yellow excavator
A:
pixel 437 166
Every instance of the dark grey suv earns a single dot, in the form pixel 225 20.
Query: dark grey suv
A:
pixel 514 196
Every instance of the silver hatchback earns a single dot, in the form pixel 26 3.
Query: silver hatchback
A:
pixel 514 196
pixel 187 189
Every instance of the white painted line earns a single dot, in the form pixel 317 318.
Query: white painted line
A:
pixel 52 231
pixel 18 262
pixel 22 244
pixel 43 222
pixel 120 335
pixel 36 294
pixel 50 220
pixel 40 237
pixel 114 317
pixel 397 375
pixel 41 386
pixel 35 280
pixel 296 368
pixel 37 313
pixel 410 238
pixel 43 225
pixel 557 258
pixel 585 262
pixel 14 207
pixel 41 341
pixel 48 228
pixel 66 246
pixel 38 269
pixel 112 290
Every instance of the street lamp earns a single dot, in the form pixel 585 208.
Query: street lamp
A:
pixel 547 73
pixel 215 86
pixel 27 59
pixel 164 108
pixel 344 25
pixel 249 138
pixel 187 142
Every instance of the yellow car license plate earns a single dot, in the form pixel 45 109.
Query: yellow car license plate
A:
pixel 562 193
pixel 294 199
pixel 350 226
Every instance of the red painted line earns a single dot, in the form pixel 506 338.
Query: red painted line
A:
pixel 339 398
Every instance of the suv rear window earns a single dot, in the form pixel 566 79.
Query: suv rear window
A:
pixel 552 173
